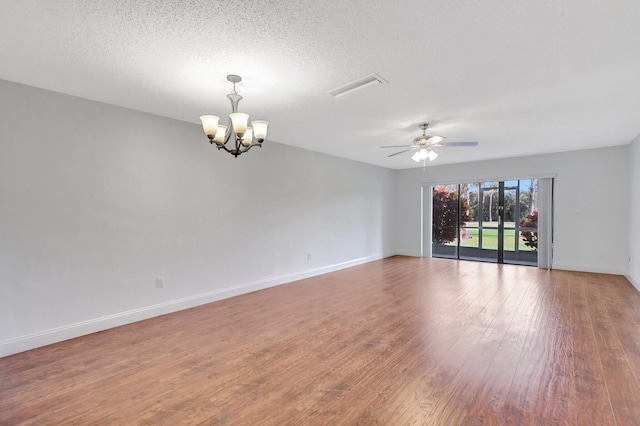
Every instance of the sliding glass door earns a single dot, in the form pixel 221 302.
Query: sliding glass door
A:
pixel 486 221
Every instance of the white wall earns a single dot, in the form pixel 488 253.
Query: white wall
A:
pixel 591 202
pixel 633 260
pixel 97 201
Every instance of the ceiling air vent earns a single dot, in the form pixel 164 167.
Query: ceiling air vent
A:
pixel 357 85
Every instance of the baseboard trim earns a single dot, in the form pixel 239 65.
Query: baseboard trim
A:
pixel 409 253
pixel 632 281
pixel 59 334
pixel 587 268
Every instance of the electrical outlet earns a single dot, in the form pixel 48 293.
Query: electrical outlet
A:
pixel 160 282
pixel 309 256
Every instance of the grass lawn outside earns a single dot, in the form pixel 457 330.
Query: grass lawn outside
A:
pixel 490 239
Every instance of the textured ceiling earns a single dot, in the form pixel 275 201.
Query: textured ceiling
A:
pixel 519 77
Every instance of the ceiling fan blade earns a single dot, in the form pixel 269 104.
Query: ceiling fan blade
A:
pixel 396 146
pixel 410 149
pixel 456 144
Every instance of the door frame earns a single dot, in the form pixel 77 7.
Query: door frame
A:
pixel 426 206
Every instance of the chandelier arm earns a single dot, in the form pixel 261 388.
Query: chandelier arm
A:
pixel 235 151
pixel 247 148
pixel 230 151
pixel 240 147
pixel 244 148
pixel 227 135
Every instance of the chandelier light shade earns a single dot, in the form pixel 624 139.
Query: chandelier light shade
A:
pixel 260 129
pixel 236 138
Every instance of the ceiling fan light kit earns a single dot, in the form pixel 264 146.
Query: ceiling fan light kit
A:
pixel 238 133
pixel 424 154
pixel 424 145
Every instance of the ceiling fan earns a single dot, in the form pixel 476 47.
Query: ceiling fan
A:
pixel 423 145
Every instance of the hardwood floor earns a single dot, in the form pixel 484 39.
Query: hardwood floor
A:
pixel 394 342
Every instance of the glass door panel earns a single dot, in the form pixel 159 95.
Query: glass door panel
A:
pixel 469 231
pixel 525 250
pixel 509 214
pixel 445 221
pixel 482 228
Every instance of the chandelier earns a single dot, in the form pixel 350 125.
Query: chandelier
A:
pixel 239 137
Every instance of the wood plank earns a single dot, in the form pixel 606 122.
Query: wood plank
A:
pixel 622 302
pixel 593 406
pixel 522 404
pixel 486 404
pixel 456 396
pixel 558 399
pixel 624 392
